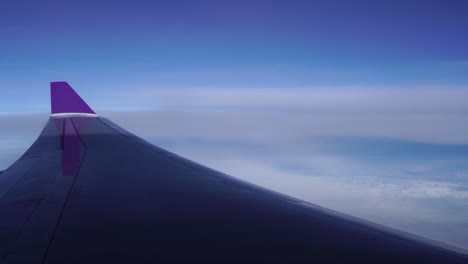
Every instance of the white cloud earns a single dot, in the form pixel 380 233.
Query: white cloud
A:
pixel 424 115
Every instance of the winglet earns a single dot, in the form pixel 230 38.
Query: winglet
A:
pixel 66 102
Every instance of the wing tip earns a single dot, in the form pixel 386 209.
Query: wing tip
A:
pixel 65 101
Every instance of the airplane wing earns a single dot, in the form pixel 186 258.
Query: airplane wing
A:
pixel 87 191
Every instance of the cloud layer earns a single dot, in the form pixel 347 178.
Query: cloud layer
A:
pixel 427 115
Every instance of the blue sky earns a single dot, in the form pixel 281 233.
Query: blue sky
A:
pixel 359 106
pixel 105 46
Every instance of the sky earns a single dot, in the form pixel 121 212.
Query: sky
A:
pixel 359 106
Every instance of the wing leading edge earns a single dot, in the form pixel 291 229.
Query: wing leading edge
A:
pixel 88 191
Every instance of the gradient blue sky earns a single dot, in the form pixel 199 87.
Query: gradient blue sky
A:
pixel 359 106
pixel 104 46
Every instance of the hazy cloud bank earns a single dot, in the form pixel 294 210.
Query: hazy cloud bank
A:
pixel 427 115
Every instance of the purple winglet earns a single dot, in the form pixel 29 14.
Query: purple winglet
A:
pixel 65 100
